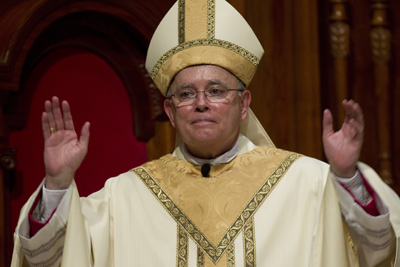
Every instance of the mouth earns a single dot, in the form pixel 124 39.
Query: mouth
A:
pixel 202 121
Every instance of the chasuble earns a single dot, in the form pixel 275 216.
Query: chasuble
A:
pixel 266 207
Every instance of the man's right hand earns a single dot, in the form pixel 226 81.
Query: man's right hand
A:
pixel 63 151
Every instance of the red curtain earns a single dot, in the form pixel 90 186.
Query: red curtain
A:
pixel 95 94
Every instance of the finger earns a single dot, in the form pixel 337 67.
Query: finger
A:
pixel 358 114
pixel 352 108
pixel 68 122
pixel 327 123
pixel 348 107
pixel 85 134
pixel 45 126
pixel 354 114
pixel 59 122
pixel 354 122
pixel 50 117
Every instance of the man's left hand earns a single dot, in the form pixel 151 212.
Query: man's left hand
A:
pixel 342 148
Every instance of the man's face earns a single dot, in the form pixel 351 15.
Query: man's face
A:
pixel 207 128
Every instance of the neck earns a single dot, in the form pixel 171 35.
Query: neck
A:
pixel 208 152
pixel 205 154
pixel 212 148
pixel 222 158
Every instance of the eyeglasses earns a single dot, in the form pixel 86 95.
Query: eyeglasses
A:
pixel 187 96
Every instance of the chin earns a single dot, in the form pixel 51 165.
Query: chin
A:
pixel 204 140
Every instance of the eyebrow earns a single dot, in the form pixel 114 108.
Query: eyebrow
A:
pixel 217 82
pixel 185 85
pixel 210 82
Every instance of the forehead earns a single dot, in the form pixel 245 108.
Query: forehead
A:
pixel 202 75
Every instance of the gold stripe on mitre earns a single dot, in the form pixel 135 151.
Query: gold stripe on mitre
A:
pixel 194 14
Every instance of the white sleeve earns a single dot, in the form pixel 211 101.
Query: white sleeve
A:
pixel 372 235
pixel 47 204
pixel 48 243
pixel 356 186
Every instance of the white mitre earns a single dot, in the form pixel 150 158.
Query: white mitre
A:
pixel 197 32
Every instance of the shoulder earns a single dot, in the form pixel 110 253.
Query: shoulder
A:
pixel 140 172
pixel 305 161
pixel 309 170
pixel 297 164
pixel 267 152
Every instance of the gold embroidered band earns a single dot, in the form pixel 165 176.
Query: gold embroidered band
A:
pixel 208 51
pixel 200 257
pixel 216 252
pixel 249 244
pixel 230 255
pixel 182 247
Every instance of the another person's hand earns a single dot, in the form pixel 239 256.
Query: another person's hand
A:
pixel 63 151
pixel 343 148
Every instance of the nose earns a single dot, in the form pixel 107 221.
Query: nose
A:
pixel 201 100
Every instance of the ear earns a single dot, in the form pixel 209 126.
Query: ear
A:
pixel 245 103
pixel 169 110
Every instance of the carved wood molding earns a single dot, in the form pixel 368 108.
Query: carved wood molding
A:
pixel 8 158
pixel 381 39
pixel 116 30
pixel 380 33
pixel 8 155
pixel 23 21
pixel 339 35
pixel 339 29
pixel 340 39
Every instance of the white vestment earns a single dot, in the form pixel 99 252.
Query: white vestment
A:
pixel 299 222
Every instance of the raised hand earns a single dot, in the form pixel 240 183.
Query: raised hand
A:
pixel 63 151
pixel 342 148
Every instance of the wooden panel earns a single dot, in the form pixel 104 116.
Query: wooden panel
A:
pixel 339 36
pixel 7 163
pixel 315 58
pixel 162 142
pixel 4 242
pixel 286 94
pixel 307 84
pixel 5 222
pixel 372 76
pixel 381 39
pixel 273 83
pixel 395 92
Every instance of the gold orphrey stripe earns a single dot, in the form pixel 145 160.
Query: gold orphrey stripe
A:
pixel 196 20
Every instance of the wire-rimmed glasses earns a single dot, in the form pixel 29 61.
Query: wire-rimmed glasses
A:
pixel 187 96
